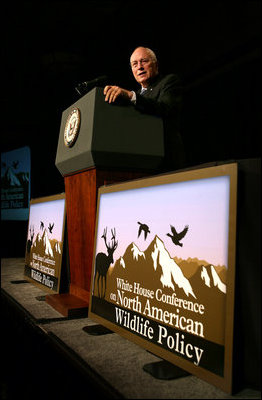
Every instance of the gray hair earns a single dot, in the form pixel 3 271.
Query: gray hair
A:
pixel 150 52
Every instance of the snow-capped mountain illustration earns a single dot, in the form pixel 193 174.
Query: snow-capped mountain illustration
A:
pixel 11 178
pixel 136 252
pixel 57 248
pixel 154 259
pixel 205 276
pixel 171 273
pixel 24 177
pixel 122 262
pixel 38 240
pixel 157 261
pixel 47 245
pixel 211 278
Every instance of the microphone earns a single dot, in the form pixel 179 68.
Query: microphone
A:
pixel 85 87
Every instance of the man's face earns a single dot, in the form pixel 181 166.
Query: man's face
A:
pixel 143 67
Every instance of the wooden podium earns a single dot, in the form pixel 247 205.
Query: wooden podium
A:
pixel 99 143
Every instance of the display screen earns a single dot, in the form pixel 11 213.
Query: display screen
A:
pixel 163 265
pixel 44 245
pixel 15 184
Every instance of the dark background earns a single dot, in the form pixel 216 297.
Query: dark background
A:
pixel 49 47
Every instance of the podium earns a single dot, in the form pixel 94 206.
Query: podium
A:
pixel 99 144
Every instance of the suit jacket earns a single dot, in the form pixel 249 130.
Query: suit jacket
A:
pixel 163 98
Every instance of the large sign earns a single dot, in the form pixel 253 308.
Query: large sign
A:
pixel 44 246
pixel 15 184
pixel 163 269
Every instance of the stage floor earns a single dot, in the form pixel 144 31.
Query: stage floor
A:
pixel 108 364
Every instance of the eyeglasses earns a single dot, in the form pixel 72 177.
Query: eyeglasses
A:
pixel 143 61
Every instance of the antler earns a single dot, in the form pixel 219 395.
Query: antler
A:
pixel 32 232
pixel 114 244
pixel 104 237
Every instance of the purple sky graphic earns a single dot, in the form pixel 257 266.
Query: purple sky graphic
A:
pixel 48 212
pixel 202 204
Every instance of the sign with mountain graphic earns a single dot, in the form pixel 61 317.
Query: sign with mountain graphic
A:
pixel 44 246
pixel 15 184
pixel 163 268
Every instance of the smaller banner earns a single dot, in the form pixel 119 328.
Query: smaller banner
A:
pixel 44 246
pixel 15 184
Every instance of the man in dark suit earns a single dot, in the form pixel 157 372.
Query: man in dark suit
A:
pixel 158 95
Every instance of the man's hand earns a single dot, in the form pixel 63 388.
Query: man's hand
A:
pixel 113 92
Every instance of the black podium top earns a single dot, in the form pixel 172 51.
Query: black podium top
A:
pixel 108 135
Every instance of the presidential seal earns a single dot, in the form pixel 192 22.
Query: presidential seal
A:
pixel 72 127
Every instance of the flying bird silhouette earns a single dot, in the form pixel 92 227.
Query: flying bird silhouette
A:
pixel 143 227
pixel 176 237
pixel 50 227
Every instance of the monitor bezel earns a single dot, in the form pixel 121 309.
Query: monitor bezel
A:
pixel 47 199
pixel 230 169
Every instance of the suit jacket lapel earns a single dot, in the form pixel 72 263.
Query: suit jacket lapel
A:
pixel 152 89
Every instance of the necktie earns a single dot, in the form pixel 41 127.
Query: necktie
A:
pixel 143 90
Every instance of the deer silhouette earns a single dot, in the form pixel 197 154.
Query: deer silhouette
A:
pixel 103 262
pixel 30 241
